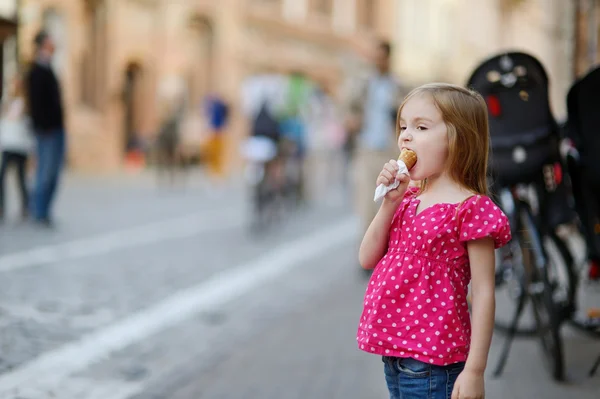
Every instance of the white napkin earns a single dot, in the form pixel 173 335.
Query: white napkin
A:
pixel 382 190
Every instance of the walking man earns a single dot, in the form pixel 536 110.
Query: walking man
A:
pixel 46 110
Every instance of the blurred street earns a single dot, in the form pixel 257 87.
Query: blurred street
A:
pixel 194 175
pixel 171 297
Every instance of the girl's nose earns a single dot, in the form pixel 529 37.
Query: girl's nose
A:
pixel 405 135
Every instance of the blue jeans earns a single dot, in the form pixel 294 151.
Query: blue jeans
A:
pixel 50 160
pixel 411 379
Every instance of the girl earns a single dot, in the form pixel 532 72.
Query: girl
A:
pixel 16 141
pixel 426 244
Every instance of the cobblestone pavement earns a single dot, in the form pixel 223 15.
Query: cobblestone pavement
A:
pixel 141 293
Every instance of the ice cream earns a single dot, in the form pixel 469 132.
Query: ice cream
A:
pixel 408 157
pixel 406 161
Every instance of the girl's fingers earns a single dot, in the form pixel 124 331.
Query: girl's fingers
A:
pixel 387 175
pixel 391 168
pixel 403 178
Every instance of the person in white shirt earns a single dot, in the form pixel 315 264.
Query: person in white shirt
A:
pixel 371 124
pixel 16 141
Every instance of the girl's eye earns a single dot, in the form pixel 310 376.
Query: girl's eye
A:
pixel 421 128
pixel 402 128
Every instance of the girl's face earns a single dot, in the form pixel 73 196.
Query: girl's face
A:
pixel 422 129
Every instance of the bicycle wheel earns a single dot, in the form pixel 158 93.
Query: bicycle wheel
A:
pixel 549 333
pixel 545 310
pixel 562 276
pixel 512 283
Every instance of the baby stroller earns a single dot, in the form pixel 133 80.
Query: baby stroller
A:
pixel 524 134
pixel 583 132
pixel 526 173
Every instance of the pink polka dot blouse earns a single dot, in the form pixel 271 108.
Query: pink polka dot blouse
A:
pixel 415 304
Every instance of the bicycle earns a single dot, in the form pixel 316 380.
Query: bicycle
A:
pixel 536 268
pixel 566 277
pixel 524 268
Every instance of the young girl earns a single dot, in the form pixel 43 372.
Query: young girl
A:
pixel 426 244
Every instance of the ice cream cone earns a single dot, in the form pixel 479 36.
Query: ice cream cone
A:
pixel 408 157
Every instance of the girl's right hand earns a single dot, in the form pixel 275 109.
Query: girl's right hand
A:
pixel 388 175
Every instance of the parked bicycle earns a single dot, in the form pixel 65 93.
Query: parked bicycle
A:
pixel 525 141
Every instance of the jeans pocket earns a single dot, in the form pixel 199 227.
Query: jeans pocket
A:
pixel 389 367
pixel 413 368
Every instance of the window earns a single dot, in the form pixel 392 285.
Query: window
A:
pixel 201 50
pixel 366 13
pixel 321 7
pixel 271 7
pixel 266 3
pixel 92 71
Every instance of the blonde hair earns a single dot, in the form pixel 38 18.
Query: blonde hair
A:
pixel 465 114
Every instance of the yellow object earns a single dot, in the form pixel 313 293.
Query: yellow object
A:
pixel 213 151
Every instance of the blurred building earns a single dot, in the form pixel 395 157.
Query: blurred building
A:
pixel 120 61
pixel 587 36
pixel 8 40
pixel 446 39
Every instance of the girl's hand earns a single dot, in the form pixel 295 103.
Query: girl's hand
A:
pixel 388 175
pixel 469 385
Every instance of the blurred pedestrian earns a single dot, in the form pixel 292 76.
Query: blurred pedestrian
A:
pixel 46 110
pixel 16 141
pixel 325 162
pixel 217 112
pixel 168 141
pixel 293 116
pixel 371 119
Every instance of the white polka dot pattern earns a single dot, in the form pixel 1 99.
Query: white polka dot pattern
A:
pixel 415 304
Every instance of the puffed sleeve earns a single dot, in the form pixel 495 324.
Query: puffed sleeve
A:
pixel 480 217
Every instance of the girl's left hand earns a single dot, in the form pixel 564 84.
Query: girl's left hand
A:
pixel 469 385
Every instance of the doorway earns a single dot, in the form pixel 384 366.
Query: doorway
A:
pixel 131 106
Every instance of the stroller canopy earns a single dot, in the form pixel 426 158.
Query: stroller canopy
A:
pixel 507 62
pixel 515 87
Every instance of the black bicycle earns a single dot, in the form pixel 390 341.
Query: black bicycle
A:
pixel 531 285
pixel 567 280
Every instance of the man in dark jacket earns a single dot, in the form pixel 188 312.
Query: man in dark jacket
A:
pixel 46 109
